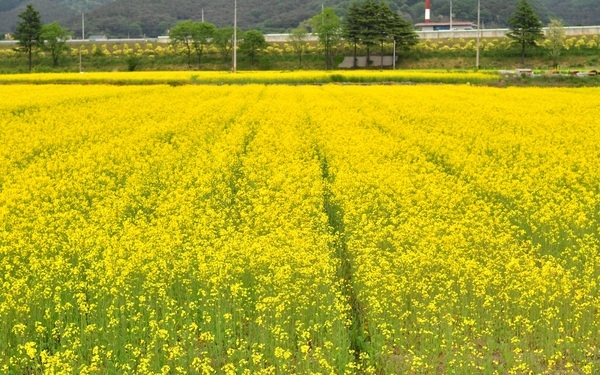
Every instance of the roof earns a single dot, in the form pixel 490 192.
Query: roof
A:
pixel 432 24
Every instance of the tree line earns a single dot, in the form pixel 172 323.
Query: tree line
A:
pixel 198 37
pixel 31 34
pixel 368 23
pixel 372 23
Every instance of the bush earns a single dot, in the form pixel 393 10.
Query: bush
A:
pixel 132 62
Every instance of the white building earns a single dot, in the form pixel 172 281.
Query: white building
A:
pixel 445 26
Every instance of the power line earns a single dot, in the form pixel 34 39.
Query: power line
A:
pixel 545 8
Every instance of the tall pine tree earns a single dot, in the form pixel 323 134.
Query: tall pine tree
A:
pixel 351 27
pixel 372 23
pixel 28 32
pixel 369 26
pixel 525 27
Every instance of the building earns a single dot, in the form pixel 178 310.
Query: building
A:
pixel 445 26
pixel 98 38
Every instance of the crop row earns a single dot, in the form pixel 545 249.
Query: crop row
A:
pixel 298 229
pixel 256 77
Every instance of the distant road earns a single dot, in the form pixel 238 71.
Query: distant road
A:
pixel 485 33
pixel 274 38
pixel 98 41
pixel 500 33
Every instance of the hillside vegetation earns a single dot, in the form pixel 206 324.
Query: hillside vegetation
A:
pixel 136 18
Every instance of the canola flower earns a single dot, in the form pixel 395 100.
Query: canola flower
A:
pixel 278 229
pixel 255 77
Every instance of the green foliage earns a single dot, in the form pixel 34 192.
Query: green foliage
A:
pixel 352 26
pixel 391 27
pixel 195 37
pixel 132 62
pixel 580 53
pixel 54 40
pixel 555 40
pixel 202 35
pixel 525 27
pixel 253 41
pixel 373 26
pixel 181 35
pixel 28 32
pixel 328 28
pixel 298 41
pixel 372 23
pixel 135 18
pixel 223 41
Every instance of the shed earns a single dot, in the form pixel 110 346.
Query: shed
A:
pixel 98 38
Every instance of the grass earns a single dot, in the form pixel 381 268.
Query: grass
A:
pixel 550 81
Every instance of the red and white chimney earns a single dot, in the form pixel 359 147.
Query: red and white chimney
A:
pixel 427 11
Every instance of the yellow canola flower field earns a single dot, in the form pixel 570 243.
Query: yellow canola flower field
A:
pixel 256 77
pixel 307 229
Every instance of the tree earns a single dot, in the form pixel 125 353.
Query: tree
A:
pixel 194 36
pixel 182 34
pixel 525 27
pixel 384 26
pixel 54 38
pixel 370 26
pixel 402 33
pixel 372 23
pixel 351 27
pixel 223 40
pixel 28 32
pixel 328 28
pixel 298 40
pixel 202 35
pixel 253 41
pixel 555 40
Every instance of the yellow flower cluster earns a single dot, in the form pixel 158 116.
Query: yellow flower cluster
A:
pixel 499 44
pixel 299 229
pixel 472 219
pixel 257 77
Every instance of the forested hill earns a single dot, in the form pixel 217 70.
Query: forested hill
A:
pixel 51 10
pixel 135 18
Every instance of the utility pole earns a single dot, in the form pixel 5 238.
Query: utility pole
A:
pixel 202 15
pixel 450 15
pixel 394 61
pixel 82 26
pixel 234 36
pixel 478 33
